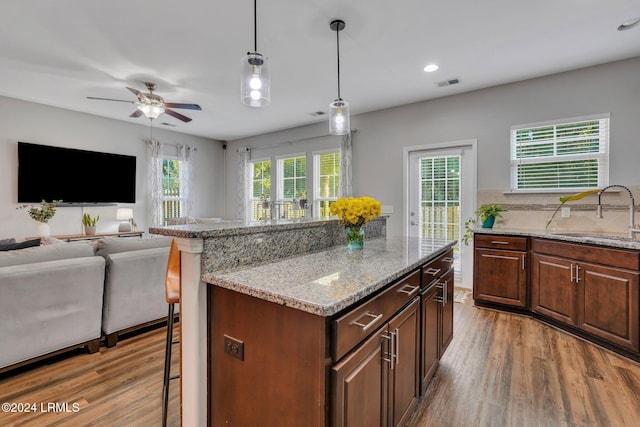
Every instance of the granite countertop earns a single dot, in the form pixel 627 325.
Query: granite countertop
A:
pixel 227 227
pixel 615 240
pixel 326 282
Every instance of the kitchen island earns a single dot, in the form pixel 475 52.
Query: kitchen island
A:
pixel 267 331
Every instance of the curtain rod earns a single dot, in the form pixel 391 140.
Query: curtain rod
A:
pixel 172 145
pixel 261 147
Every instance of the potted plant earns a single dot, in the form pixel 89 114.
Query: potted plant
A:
pixel 42 214
pixel 487 215
pixel 89 223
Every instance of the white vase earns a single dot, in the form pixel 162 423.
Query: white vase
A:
pixel 89 230
pixel 43 230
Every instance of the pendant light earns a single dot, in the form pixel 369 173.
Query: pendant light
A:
pixel 255 85
pixel 339 123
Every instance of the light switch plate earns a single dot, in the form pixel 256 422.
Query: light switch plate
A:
pixel 566 212
pixel 386 210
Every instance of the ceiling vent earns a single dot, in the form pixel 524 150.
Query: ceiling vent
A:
pixel 445 83
pixel 317 113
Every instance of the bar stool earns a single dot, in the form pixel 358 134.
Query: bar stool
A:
pixel 172 293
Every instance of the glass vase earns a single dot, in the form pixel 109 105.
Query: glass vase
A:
pixel 355 238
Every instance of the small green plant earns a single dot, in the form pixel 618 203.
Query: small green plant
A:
pixel 483 212
pixel 44 213
pixel 89 221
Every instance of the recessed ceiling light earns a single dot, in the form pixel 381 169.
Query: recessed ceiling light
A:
pixel 431 68
pixel 628 24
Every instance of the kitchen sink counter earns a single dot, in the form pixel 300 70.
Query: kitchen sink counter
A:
pixel 614 240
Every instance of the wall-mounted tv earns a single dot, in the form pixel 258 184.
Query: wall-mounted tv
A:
pixel 74 176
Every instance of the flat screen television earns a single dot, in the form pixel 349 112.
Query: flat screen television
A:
pixel 74 176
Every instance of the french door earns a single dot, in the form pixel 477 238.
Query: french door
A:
pixel 441 196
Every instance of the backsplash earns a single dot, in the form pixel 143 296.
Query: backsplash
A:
pixel 533 211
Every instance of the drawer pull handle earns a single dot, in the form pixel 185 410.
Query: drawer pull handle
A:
pixel 498 242
pixel 412 290
pixel 433 271
pixel 371 322
pixel 447 259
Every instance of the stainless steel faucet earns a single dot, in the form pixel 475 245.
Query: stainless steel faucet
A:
pixel 632 209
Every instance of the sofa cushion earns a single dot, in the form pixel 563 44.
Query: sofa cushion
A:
pixel 113 245
pixel 5 241
pixel 46 253
pixel 19 245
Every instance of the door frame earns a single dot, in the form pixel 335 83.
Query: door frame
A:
pixel 472 145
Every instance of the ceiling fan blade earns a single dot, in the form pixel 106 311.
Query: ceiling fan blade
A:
pixel 177 115
pixel 110 99
pixel 178 105
pixel 136 113
pixel 136 92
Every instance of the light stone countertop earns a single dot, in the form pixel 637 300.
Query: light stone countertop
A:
pixel 326 282
pixel 615 240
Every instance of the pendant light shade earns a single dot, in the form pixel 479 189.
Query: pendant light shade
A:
pixel 339 114
pixel 255 82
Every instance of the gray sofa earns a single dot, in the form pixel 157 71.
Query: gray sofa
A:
pixel 57 297
pixel 50 301
pixel 134 294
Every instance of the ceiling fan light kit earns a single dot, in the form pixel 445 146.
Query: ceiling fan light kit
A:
pixel 255 82
pixel 339 115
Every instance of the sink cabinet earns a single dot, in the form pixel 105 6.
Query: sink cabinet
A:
pixel 500 269
pixel 591 288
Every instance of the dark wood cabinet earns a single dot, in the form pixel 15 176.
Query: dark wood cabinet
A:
pixel 602 300
pixel 500 269
pixel 436 315
pixel 377 384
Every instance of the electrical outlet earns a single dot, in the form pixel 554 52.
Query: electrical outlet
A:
pixel 234 347
pixel 566 212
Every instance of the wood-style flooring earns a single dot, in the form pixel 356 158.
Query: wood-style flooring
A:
pixel 500 370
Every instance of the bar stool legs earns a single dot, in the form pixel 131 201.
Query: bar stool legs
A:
pixel 167 365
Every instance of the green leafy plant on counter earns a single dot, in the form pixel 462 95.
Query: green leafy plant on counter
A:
pixel 570 198
pixel 89 221
pixel 483 212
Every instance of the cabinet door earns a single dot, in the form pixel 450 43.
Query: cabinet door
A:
pixel 500 276
pixel 553 293
pixel 608 304
pixel 359 385
pixel 404 385
pixel 429 351
pixel 446 312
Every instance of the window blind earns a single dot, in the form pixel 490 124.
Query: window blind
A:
pixel 563 155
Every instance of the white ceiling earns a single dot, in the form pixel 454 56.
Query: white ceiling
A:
pixel 59 52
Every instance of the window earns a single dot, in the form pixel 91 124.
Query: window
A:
pixel 293 178
pixel 172 202
pixel 326 181
pixel 570 154
pixel 260 189
pixel 440 197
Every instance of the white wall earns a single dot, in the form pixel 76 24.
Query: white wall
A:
pixel 485 115
pixel 40 124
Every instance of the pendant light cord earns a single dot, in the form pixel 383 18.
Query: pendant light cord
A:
pixel 255 26
pixel 338 50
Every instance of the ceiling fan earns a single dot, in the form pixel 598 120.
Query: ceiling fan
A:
pixel 151 105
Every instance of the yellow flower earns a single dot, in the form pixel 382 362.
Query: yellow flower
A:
pixel 356 211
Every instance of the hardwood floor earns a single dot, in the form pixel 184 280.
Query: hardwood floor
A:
pixel 508 370
pixel 500 370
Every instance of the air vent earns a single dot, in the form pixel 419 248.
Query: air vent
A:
pixel 448 82
pixel 317 113
pixel 168 124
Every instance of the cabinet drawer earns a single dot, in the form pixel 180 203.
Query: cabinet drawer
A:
pixel 496 241
pixel 610 257
pixel 353 327
pixel 434 269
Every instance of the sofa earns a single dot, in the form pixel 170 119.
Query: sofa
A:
pixel 134 284
pixel 50 301
pixel 58 297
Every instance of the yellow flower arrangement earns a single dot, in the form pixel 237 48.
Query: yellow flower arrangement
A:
pixel 356 211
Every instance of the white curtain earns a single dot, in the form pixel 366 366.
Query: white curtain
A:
pixel 185 156
pixel 244 155
pixel 346 182
pixel 155 183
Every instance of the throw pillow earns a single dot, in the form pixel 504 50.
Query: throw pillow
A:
pixel 20 245
pixel 6 241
